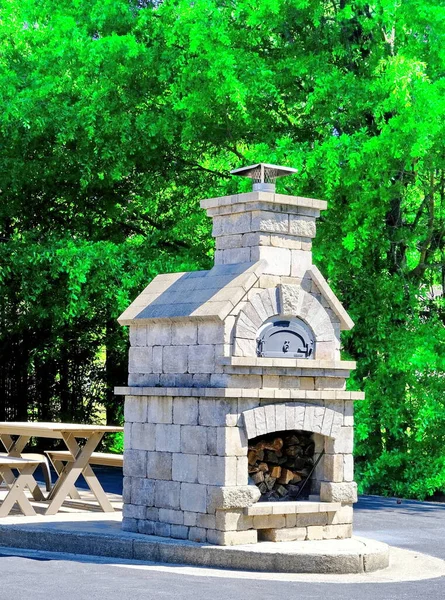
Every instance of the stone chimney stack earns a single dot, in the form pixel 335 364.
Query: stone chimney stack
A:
pixel 264 225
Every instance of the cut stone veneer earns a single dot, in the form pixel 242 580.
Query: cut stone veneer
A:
pixel 197 391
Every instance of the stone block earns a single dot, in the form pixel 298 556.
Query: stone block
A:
pixel 280 417
pixel 231 497
pixel 142 436
pixel 210 333
pixel 327 424
pixel 174 517
pixel 338 492
pixel 135 409
pixel 232 520
pixel 343 443
pixel 330 383
pixel 260 420
pixel 231 441
pixel 133 511
pixel 300 415
pixel 201 359
pixel 146 527
pixel 213 413
pixel 348 414
pixel 269 411
pixel 302 226
pixel 157 359
pixel 190 518
pixel 290 417
pixel 318 418
pixel 197 534
pixel 236 255
pixel 245 328
pixel 130 525
pixel 224 242
pixel 152 513
pixel 159 334
pixel 185 467
pixel 140 360
pixel 193 497
pixel 242 477
pixel 159 465
pixel 292 534
pixel 307 383
pixel 184 334
pixel 278 259
pixel 201 380
pixel 159 409
pixel 333 467
pixel 232 224
pixel 272 222
pixel 291 297
pixel 193 439
pixel 143 379
pixel 179 532
pixel 339 532
pixel 217 470
pixel 134 463
pixel 348 467
pixel 291 520
pixel 315 532
pixel 127 435
pixel 162 529
pixel 301 261
pixel 255 298
pixel 205 520
pixel 269 521
pixel 343 516
pixel 306 519
pixel 138 335
pixel 185 411
pixel 168 438
pixel 212 440
pixel 126 489
pixel 142 491
pixel 167 494
pixel 232 538
pixel 175 359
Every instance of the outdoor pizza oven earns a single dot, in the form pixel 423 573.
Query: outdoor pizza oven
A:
pixel 238 425
pixel 285 338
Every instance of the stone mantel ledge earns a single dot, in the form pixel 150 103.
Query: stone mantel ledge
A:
pixel 271 393
pixel 289 363
pixel 268 197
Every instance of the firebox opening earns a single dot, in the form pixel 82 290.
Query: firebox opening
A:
pixel 282 464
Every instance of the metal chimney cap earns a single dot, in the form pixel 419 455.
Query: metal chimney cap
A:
pixel 263 175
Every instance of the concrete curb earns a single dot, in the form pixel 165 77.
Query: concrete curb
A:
pixel 355 555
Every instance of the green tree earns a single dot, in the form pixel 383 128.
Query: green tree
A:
pixel 118 116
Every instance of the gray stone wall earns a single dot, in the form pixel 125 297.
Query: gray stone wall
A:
pixel 185 468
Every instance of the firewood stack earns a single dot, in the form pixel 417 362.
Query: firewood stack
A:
pixel 280 462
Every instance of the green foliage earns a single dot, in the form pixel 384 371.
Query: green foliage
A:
pixel 118 116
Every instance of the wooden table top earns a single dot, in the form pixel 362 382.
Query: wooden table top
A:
pixel 38 429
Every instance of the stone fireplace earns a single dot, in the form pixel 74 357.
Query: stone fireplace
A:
pixel 238 427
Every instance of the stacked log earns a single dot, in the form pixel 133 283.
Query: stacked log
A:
pixel 280 463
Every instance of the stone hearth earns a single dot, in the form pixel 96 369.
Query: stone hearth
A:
pixel 222 360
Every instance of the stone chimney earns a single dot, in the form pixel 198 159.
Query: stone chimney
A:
pixel 263 225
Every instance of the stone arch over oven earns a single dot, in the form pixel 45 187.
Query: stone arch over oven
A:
pixel 283 301
pixel 292 416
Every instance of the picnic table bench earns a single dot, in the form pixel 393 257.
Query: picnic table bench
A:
pixel 77 462
pixel 16 485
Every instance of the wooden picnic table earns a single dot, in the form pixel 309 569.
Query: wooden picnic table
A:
pixel 79 465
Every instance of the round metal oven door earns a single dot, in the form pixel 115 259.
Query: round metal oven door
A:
pixel 285 338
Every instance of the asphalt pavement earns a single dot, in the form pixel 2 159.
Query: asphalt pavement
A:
pixel 416 526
